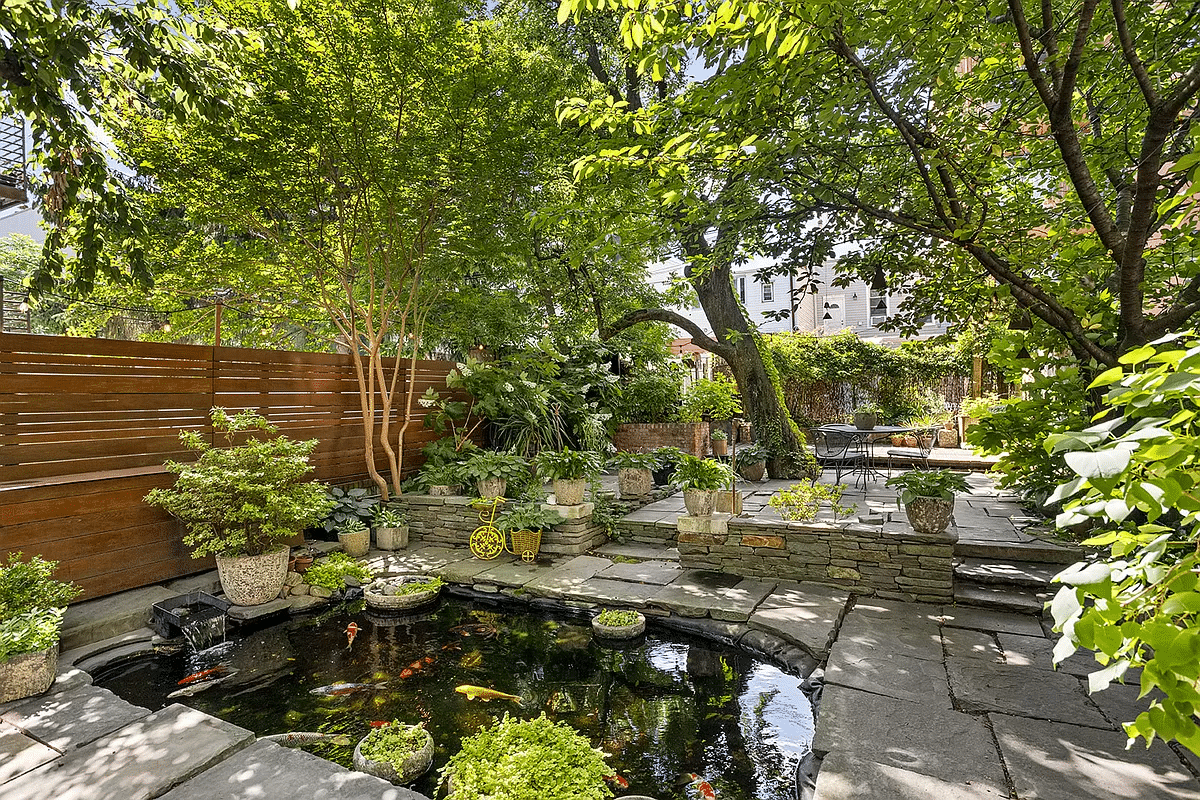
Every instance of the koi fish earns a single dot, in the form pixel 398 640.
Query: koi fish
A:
pixel 418 664
pixel 484 694
pixel 379 723
pixel 428 660
pixel 202 674
pixel 339 689
pixel 405 673
pixel 196 688
pixel 351 634
pixel 480 629
pixel 299 738
pixel 703 788
pixel 617 781
pixel 452 646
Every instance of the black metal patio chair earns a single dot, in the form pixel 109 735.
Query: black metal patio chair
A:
pixel 910 456
pixel 839 451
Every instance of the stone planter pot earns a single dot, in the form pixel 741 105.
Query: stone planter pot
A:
pixel 720 447
pixel 391 538
pixel 865 421
pixel 491 487
pixel 403 770
pixel 253 580
pixel 441 490
pixel 929 514
pixel 729 503
pixel 947 437
pixel 569 492
pixel 356 544
pixel 377 597
pixel 619 632
pixel 753 471
pixel 699 502
pixel 28 674
pixel 634 481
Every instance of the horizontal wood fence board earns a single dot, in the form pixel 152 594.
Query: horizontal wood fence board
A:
pixel 20 537
pixel 38 403
pixel 33 343
pixel 91 384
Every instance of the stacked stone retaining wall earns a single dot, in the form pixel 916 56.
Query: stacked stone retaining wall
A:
pixel 449 521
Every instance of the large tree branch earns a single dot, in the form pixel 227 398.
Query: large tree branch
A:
pixel 1070 70
pixel 699 337
pixel 1131 57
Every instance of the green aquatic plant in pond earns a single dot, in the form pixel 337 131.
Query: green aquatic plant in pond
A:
pixel 330 572
pixel 417 587
pixel 617 618
pixel 394 742
pixel 533 759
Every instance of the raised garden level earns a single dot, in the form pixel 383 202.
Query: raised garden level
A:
pixel 881 560
pixel 449 521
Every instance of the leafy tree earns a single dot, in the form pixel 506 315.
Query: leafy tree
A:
pixel 71 67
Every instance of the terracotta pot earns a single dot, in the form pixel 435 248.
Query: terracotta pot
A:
pixel 253 580
pixel 865 421
pixel 929 514
pixel 898 440
pixel 441 490
pixel 301 563
pixel 402 771
pixel 491 487
pixel 699 502
pixel 28 674
pixel 634 481
pixel 391 538
pixel 569 492
pixel 910 441
pixel 619 631
pixel 720 447
pixel 356 544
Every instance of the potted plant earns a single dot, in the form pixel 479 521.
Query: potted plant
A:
pixel 666 458
pixel 720 443
pixel 241 502
pixel 354 537
pixel 523 523
pixel 570 470
pixel 700 479
pixel 402 592
pixel 866 416
pixel 395 752
pixel 635 473
pixel 31 611
pixel 441 480
pixel 614 623
pixel 391 528
pixel 750 462
pixel 302 559
pixel 491 470
pixel 518 759
pixel 356 503
pixel 928 497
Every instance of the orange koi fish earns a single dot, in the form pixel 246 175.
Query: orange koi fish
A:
pixel 351 634
pixel 406 673
pixel 202 674
pixel 617 781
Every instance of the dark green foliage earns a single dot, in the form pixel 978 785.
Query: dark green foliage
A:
pixel 31 605
pixel 652 396
pixel 527 516
pixel 567 464
pixel 702 474
pixel 330 572
pixel 350 504
pixel 941 483
pixel 715 399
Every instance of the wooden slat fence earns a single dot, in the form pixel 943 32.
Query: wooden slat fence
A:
pixel 86 424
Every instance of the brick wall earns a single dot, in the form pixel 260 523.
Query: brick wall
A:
pixel 690 437
pixel 869 559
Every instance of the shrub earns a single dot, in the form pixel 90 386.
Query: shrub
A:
pixel 532 759
pixel 349 504
pixel 330 572
pixel 652 397
pixel 394 742
pixel 31 605
pixel 801 501
pixel 492 465
pixel 940 483
pixel 242 499
pixel 715 399
pixel 447 474
pixel 527 516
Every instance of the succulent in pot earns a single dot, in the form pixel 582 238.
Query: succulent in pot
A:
pixel 928 497
pixel 355 538
pixel 31 611
pixel 441 480
pixel 395 752
pixel 241 502
pixel 635 473
pixel 391 527
pixel 491 470
pixel 570 470
pixel 700 479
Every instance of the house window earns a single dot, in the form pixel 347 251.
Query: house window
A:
pixel 741 283
pixel 768 292
pixel 879 307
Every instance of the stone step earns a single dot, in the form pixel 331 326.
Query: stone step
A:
pixel 997 572
pixel 1038 552
pixel 1001 598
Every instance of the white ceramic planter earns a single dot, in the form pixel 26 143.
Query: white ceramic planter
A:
pixel 253 580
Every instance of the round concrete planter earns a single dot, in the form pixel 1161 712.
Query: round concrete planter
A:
pixel 403 770
pixel 634 481
pixel 491 487
pixel 619 632
pixel 929 514
pixel 440 490
pixel 28 674
pixel 355 544
pixel 699 502
pixel 253 580
pixel 569 492
pixel 753 471
pixel 391 538
pixel 866 421
pixel 377 597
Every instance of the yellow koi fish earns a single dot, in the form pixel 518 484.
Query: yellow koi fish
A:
pixel 484 694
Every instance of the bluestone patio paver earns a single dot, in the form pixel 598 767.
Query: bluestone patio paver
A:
pixel 965 643
pixel 74 717
pixel 843 777
pixel 807 615
pixel 658 572
pixel 863 636
pixel 697 593
pixel 1023 691
pixel 902 677
pixel 1037 651
pixel 565 578
pixel 983 619
pixel 19 753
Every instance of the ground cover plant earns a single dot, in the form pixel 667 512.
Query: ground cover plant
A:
pixel 331 572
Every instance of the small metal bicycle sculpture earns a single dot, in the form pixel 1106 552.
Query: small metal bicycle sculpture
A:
pixel 487 541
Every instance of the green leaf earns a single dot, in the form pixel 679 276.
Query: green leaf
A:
pixel 1106 463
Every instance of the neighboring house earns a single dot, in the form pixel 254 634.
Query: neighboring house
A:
pixel 17 214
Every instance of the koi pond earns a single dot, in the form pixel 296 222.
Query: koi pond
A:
pixel 677 715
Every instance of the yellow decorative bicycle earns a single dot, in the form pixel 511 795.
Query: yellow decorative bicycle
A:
pixel 487 541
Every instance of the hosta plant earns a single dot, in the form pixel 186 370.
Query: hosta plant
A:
pixel 568 464
pixel 941 483
pixel 492 464
pixel 701 474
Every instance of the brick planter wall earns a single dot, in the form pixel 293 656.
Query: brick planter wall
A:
pixel 885 561
pixel 449 521
pixel 690 437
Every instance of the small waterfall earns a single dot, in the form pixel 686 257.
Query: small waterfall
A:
pixel 205 632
